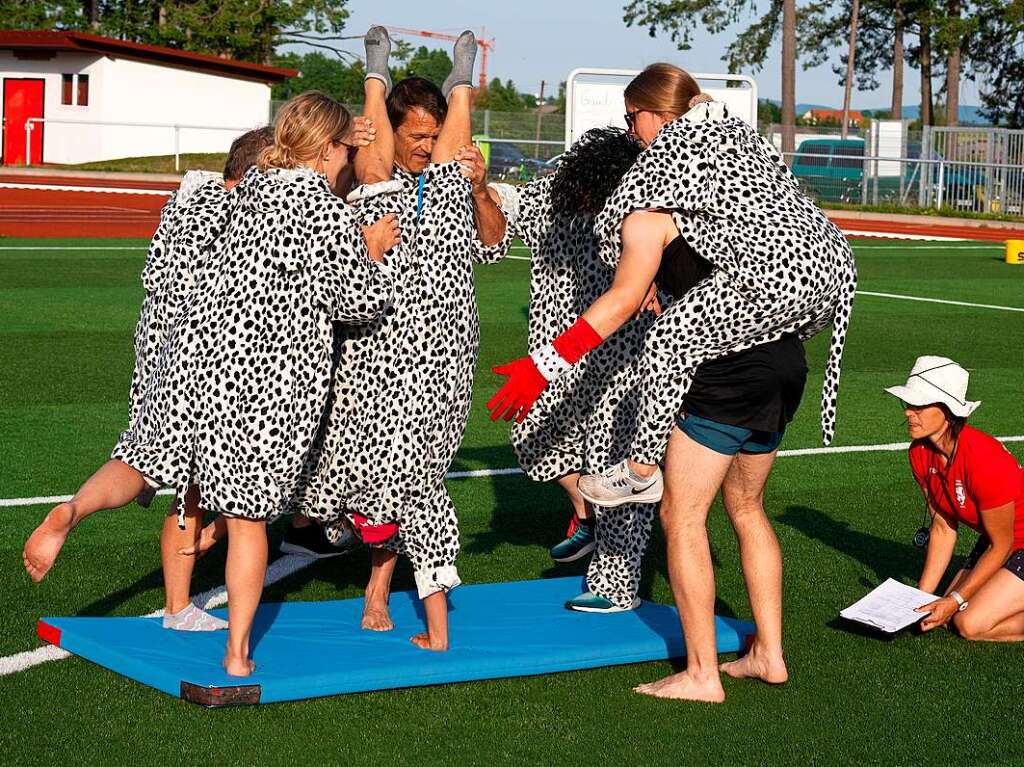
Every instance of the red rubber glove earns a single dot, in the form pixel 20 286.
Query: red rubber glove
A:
pixel 370 534
pixel 520 391
pixel 526 381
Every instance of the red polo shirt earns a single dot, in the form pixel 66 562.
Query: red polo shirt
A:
pixel 983 475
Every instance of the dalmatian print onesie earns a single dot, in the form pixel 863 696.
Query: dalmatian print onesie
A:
pixel 402 388
pixel 780 266
pixel 585 420
pixel 243 381
pixel 198 210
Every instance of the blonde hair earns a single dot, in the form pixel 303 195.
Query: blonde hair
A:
pixel 302 126
pixel 663 88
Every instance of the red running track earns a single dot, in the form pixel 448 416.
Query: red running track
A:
pixel 42 212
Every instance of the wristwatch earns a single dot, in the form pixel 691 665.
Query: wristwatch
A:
pixel 960 601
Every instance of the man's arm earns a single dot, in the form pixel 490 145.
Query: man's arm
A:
pixel 487 213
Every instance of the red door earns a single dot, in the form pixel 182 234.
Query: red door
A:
pixel 23 99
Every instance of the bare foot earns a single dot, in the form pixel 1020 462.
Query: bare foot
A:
pixel 424 642
pixel 685 687
pixel 376 618
pixel 43 546
pixel 236 666
pixel 758 664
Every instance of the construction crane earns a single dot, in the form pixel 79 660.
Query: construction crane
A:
pixel 486 45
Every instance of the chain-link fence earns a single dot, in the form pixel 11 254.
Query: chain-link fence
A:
pixel 839 174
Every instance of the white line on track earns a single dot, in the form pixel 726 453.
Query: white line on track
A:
pixel 291 563
pixel 70 188
pixel 939 301
pixel 899 235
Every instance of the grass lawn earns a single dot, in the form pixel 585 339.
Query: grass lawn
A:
pixel 844 521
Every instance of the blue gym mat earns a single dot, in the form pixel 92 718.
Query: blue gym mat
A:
pixel 312 649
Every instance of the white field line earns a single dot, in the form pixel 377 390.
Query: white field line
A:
pixel 292 563
pixel 939 301
pixel 69 188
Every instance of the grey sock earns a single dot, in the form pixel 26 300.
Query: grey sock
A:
pixel 193 619
pixel 464 56
pixel 378 50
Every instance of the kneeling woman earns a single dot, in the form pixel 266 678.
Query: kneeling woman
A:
pixel 967 476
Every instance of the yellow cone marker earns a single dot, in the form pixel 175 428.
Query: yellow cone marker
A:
pixel 1015 251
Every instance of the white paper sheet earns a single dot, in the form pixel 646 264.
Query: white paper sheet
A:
pixel 890 607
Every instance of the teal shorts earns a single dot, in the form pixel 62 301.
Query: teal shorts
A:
pixel 726 439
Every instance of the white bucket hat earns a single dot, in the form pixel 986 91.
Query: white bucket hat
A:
pixel 937 380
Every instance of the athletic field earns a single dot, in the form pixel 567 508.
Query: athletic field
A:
pixel 844 517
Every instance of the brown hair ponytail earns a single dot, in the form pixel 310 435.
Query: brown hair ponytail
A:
pixel 662 88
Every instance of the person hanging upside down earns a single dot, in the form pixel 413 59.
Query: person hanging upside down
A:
pixel 401 391
pixel 780 270
pixel 971 478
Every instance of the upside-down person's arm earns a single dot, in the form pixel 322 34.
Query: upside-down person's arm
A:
pixel 644 236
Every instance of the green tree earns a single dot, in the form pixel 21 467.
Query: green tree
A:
pixel 500 97
pixel 996 50
pixel 434 65
pixel 329 74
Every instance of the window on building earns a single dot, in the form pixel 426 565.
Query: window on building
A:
pixel 83 90
pixel 66 89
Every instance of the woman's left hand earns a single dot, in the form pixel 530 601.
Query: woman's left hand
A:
pixel 941 612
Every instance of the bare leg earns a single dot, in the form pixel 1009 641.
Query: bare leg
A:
pixel 374 162
pixel 457 130
pixel 693 475
pixel 996 612
pixel 436 635
pixel 580 507
pixel 743 493
pixel 113 485
pixel 244 573
pixel 178 568
pixel 375 604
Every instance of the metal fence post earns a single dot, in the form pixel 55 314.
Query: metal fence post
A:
pixel 28 142
pixel 942 183
pixel 924 168
pixel 177 147
pixel 487 122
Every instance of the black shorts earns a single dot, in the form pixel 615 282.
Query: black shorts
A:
pixel 1015 564
pixel 757 389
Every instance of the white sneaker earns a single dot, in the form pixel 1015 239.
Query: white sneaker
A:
pixel 619 485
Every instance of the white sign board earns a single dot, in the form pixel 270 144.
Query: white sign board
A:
pixel 886 139
pixel 594 98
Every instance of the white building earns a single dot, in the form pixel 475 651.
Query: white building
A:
pixel 62 77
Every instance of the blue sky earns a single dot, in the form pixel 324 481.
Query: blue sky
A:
pixel 545 39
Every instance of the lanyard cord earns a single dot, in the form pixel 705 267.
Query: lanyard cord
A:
pixel 419 195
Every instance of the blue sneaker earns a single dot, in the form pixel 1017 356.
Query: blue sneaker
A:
pixel 581 542
pixel 589 602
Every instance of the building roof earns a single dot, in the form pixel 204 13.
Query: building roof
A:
pixel 833 114
pixel 83 42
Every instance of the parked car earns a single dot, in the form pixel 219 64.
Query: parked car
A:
pixel 508 162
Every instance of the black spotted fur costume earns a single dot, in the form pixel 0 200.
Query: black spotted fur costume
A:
pixel 780 266
pixel 402 388
pixel 585 420
pixel 242 381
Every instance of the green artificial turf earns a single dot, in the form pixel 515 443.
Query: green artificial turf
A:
pixel 844 522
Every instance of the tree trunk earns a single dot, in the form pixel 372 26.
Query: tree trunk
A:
pixel 788 77
pixel 926 70
pixel 850 57
pixel 896 108
pixel 92 12
pixel 953 69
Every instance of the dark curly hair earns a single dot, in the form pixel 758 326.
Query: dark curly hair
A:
pixel 591 169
